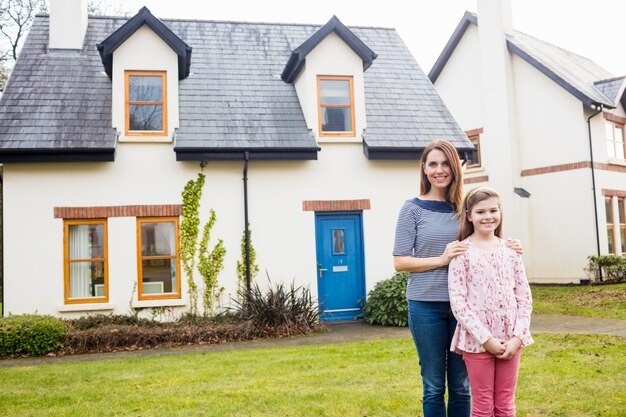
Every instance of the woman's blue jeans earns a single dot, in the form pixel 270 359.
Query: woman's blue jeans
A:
pixel 432 325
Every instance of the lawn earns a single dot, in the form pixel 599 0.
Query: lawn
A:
pixel 562 375
pixel 606 301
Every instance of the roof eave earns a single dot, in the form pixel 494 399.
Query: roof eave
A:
pixel 144 17
pixel 238 154
pixel 43 155
pixel 467 19
pixel 298 56
pixel 584 98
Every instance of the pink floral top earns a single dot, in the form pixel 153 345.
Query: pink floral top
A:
pixel 490 297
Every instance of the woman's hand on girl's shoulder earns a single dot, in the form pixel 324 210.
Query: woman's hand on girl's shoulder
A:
pixel 516 245
pixel 452 250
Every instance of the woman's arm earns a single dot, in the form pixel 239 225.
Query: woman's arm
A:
pixel 524 300
pixel 413 264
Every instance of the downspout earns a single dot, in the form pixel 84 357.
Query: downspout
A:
pixel 246 158
pixel 593 179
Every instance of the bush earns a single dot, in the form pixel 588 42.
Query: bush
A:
pixel 613 267
pixel 278 309
pixel 386 303
pixel 31 334
pixel 101 320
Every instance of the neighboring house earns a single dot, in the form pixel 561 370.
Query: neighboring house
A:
pixel 550 129
pixel 104 120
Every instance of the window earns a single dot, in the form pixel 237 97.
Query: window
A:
pixel 146 104
pixel 621 210
pixel 608 206
pixel 615 139
pixel 616 227
pixel 473 157
pixel 85 261
pixel 158 258
pixel 336 106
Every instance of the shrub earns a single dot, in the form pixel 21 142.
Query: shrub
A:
pixel 101 320
pixel 278 309
pixel 613 267
pixel 386 303
pixel 31 334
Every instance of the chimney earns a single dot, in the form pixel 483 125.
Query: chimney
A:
pixel 68 24
pixel 499 107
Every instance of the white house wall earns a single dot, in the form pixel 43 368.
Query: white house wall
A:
pixel 283 234
pixel 144 51
pixel 460 82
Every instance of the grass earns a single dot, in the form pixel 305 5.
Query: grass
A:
pixel 562 375
pixel 605 301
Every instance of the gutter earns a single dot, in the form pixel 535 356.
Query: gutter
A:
pixel 593 177
pixel 246 158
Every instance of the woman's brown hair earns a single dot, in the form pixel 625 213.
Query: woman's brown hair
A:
pixel 473 197
pixel 454 192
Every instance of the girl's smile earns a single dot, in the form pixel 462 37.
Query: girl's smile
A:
pixel 485 216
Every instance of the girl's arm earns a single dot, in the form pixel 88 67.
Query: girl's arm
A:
pixel 413 264
pixel 465 315
pixel 524 302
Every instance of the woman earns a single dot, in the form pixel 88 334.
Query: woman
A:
pixel 425 244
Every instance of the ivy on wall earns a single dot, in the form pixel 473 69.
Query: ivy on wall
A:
pixel 241 265
pixel 209 264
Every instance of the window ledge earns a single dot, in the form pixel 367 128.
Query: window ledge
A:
pixel 145 139
pixel 474 170
pixel 339 139
pixel 68 308
pixel 159 303
pixel 615 161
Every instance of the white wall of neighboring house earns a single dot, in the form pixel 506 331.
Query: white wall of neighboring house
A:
pixel 144 173
pixel 460 83
pixel 144 51
pixel 557 223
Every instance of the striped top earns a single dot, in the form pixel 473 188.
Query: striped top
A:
pixel 423 230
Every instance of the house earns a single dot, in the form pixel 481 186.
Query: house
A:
pixel 549 129
pixel 104 120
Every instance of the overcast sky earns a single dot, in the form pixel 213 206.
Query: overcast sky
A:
pixel 592 28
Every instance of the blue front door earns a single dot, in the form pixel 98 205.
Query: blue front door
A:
pixel 340 276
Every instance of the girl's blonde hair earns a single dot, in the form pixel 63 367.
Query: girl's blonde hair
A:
pixel 454 192
pixel 473 197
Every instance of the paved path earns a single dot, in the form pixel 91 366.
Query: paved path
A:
pixel 339 333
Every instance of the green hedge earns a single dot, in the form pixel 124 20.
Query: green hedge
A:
pixel 386 303
pixel 31 334
pixel 613 268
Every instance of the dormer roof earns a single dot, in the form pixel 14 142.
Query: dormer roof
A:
pixel 144 17
pixel 576 74
pixel 298 56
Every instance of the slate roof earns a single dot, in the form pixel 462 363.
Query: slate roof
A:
pixel 234 99
pixel 576 74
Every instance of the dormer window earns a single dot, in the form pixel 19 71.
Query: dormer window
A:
pixel 146 103
pixel 336 106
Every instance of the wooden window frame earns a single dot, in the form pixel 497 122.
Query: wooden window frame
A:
pixel 320 106
pixel 176 257
pixel 620 225
pixel 620 126
pixel 163 103
pixel 480 163
pixel 66 261
pixel 610 223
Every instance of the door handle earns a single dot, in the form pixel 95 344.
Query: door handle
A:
pixel 320 269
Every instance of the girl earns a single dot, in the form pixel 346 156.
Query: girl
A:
pixel 491 300
pixel 425 243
